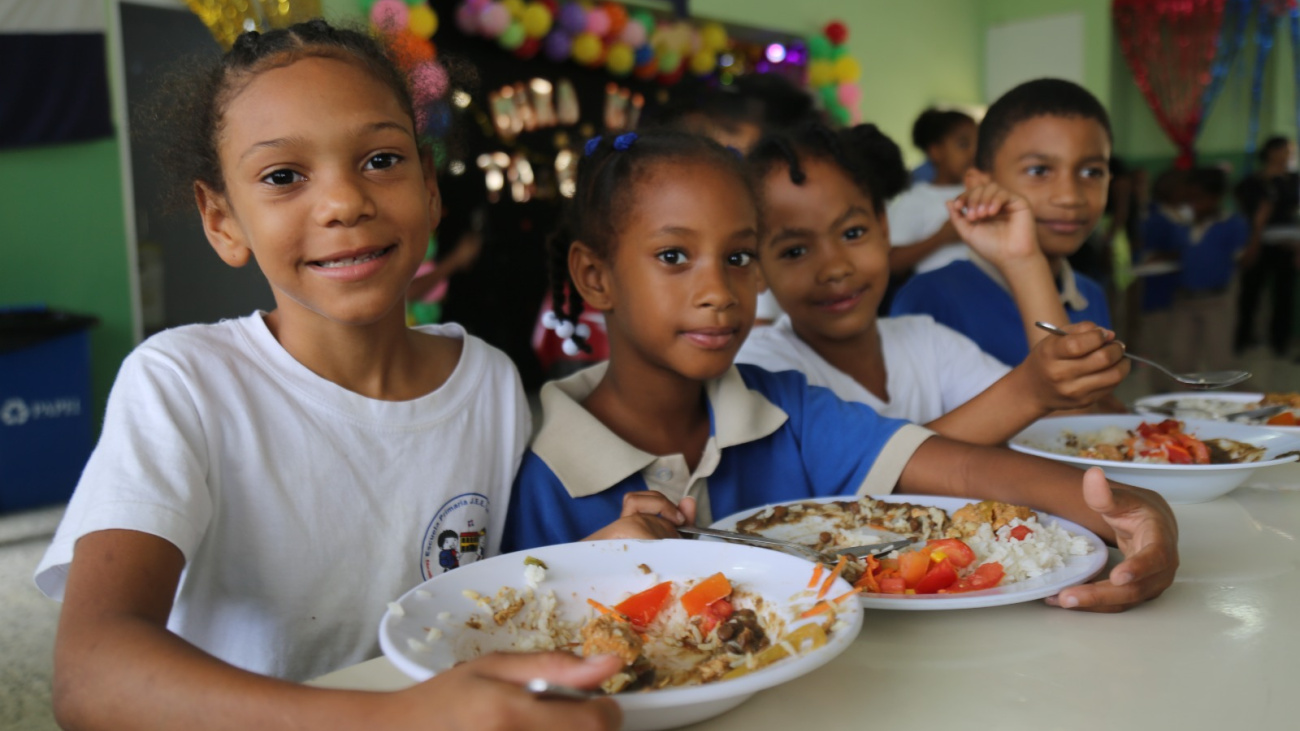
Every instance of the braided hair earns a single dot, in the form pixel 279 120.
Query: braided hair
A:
pixel 186 117
pixel 869 157
pixel 609 174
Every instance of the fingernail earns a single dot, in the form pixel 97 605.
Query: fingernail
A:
pixel 1069 602
pixel 1053 601
pixel 1122 579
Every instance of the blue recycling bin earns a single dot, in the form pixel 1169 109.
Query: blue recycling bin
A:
pixel 45 405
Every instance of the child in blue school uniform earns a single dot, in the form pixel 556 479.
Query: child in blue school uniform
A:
pixel 1203 310
pixel 1041 165
pixel 825 256
pixel 662 236
pixel 264 486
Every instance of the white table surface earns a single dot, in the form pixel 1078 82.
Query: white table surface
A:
pixel 1219 650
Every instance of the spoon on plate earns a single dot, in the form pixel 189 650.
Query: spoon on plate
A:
pixel 1201 381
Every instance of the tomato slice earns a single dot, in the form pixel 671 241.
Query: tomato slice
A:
pixel 940 576
pixel 912 566
pixel 952 549
pixel 1286 418
pixel 1020 533
pixel 1177 454
pixel 705 593
pixel 641 609
pixel 714 613
pixel 986 576
pixel 1199 452
pixel 892 585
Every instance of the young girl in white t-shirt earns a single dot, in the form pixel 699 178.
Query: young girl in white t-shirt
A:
pixel 825 256
pixel 265 486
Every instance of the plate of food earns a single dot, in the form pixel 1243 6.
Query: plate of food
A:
pixel 969 554
pixel 1188 461
pixel 1217 405
pixel 701 626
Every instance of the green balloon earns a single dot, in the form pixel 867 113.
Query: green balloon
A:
pixel 513 36
pixel 646 19
pixel 365 6
pixel 819 47
pixel 830 96
pixel 669 60
pixel 839 113
pixel 838 52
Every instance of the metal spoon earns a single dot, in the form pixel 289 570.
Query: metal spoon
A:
pixel 1199 381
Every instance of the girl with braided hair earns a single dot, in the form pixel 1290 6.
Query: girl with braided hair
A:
pixel 825 256
pixel 264 486
pixel 663 232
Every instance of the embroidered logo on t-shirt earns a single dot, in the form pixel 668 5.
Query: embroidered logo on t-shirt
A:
pixel 457 535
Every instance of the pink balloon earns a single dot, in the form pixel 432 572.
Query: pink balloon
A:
pixel 598 22
pixel 633 34
pixel 467 20
pixel 494 20
pixel 477 5
pixel 849 95
pixel 389 16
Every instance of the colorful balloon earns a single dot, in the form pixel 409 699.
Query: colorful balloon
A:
pixel 819 48
pixel 836 32
pixel 633 34
pixel 617 18
pixel 847 70
pixel 537 20
pixel 703 62
pixel 477 5
pixel 410 49
pixel 598 22
pixel 573 18
pixel 587 48
pixel 713 37
pixel 467 19
pixel 515 8
pixel 821 73
pixel 557 46
pixel 645 19
pixel 620 60
pixel 429 81
pixel 422 21
pixel 648 70
pixel 669 60
pixel 493 20
pixel 645 55
pixel 513 36
pixel 529 48
pixel 849 95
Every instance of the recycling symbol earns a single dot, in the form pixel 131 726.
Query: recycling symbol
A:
pixel 14 412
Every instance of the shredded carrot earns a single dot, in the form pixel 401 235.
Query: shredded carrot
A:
pixel 817 609
pixel 606 610
pixel 846 595
pixel 835 574
pixel 816 577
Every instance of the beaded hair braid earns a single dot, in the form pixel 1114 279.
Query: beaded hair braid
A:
pixel 609 175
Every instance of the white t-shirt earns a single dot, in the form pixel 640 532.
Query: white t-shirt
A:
pixel 917 214
pixel 932 369
pixel 301 508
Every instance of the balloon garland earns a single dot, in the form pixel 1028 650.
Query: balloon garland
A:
pixel 833 74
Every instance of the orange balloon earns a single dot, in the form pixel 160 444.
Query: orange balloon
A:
pixel 617 18
pixel 410 49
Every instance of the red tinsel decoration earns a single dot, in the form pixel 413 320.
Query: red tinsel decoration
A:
pixel 1170 46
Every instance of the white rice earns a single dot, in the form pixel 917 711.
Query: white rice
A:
pixel 1045 549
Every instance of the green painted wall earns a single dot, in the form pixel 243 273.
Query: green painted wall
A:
pixel 1097 59
pixel 64 242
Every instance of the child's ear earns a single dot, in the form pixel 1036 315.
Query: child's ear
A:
pixel 976 177
pixel 591 277
pixel 220 226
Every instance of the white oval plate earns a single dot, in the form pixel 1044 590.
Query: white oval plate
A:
pixel 608 571
pixel 1077 569
pixel 1232 397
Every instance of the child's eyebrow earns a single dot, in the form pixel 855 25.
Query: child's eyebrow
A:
pixel 297 139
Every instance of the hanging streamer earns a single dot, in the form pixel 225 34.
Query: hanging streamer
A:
pixel 1266 18
pixel 1236 15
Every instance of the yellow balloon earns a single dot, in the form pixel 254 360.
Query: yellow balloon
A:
pixel 847 70
pixel 422 21
pixel 537 20
pixel 704 61
pixel 226 19
pixel 516 8
pixel 586 48
pixel 713 37
pixel 621 59
pixel 821 73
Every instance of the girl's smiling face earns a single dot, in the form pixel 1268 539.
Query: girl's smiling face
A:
pixel 679 285
pixel 325 188
pixel 825 251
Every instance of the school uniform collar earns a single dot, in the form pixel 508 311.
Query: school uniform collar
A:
pixel 588 458
pixel 1197 231
pixel 1069 288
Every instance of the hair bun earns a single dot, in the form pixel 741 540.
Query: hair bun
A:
pixel 879 157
